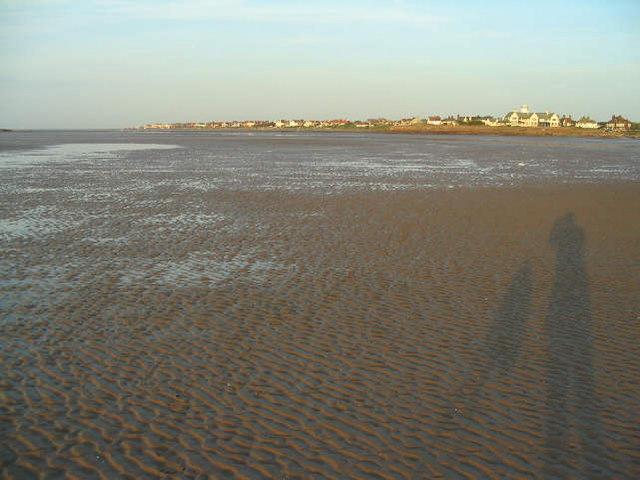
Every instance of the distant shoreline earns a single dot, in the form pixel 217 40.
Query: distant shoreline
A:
pixel 452 130
pixel 479 130
pixel 517 131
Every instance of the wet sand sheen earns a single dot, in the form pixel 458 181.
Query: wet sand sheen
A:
pixel 422 334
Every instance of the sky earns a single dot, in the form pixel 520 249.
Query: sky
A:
pixel 116 64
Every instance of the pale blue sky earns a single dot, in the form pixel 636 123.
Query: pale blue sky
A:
pixel 75 64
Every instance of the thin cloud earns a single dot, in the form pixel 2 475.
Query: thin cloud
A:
pixel 38 17
pixel 240 11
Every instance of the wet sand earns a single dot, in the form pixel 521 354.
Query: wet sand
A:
pixel 443 333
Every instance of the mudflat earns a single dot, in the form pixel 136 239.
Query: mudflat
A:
pixel 157 322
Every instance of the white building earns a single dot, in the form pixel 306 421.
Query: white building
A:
pixel 586 122
pixel 525 118
pixel 495 122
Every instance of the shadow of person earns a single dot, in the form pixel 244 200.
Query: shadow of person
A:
pixel 572 434
pixel 502 343
pixel 507 328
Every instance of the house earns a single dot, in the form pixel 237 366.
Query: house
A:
pixel 281 123
pixel 469 118
pixel 434 120
pixel 407 121
pixel 338 123
pixel 449 121
pixel 333 123
pixel 495 122
pixel 548 119
pixel 586 122
pixel 618 122
pixel 522 118
pixel 525 118
pixel 379 122
pixel 567 121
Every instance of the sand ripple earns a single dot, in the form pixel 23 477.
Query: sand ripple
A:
pixel 217 333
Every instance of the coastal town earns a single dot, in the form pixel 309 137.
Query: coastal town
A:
pixel 518 117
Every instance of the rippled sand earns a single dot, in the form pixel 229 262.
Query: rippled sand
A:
pixel 444 333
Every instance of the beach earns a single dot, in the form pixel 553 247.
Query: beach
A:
pixel 183 305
